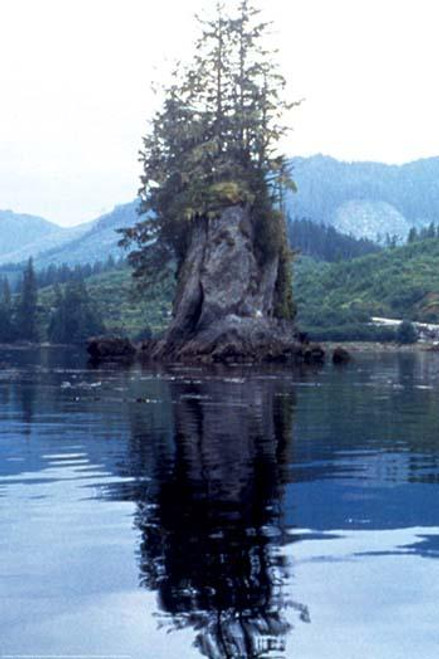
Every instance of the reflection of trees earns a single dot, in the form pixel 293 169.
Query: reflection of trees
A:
pixel 392 407
pixel 26 394
pixel 212 530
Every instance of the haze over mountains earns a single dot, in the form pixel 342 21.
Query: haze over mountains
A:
pixel 22 236
pixel 365 199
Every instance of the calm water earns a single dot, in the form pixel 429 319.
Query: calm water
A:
pixel 238 513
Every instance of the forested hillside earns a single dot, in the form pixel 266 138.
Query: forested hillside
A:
pixel 399 282
pixel 325 243
pixel 334 300
pixel 113 298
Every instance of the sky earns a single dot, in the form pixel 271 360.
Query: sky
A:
pixel 75 80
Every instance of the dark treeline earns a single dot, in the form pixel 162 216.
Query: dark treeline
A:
pixel 58 274
pixel 325 243
pixel 61 274
pixel 72 317
pixel 425 233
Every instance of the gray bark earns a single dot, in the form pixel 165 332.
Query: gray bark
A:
pixel 223 308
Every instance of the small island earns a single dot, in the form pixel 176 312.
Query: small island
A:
pixel 212 201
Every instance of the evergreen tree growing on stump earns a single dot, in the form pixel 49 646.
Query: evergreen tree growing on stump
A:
pixel 214 145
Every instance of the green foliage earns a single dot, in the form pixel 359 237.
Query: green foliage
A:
pixel 6 299
pixel 69 310
pixel 352 332
pixel 26 314
pixel 129 312
pixel 113 296
pixel 406 333
pixel 74 318
pixel 402 282
pixel 61 274
pixel 284 303
pixel 412 235
pixel 424 233
pixel 325 242
pixel 7 330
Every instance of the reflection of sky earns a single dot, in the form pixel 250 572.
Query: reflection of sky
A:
pixel 370 594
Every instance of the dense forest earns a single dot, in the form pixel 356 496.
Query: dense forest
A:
pixel 57 274
pixel 337 300
pixel 71 317
pixel 324 242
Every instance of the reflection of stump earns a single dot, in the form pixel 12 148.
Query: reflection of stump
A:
pixel 208 544
pixel 225 305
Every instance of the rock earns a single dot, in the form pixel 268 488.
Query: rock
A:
pixel 224 308
pixel 109 348
pixel 341 356
pixel 314 354
pixel 302 337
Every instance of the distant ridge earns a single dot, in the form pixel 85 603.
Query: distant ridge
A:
pixel 366 199
pixel 97 243
pixel 22 236
pixel 20 229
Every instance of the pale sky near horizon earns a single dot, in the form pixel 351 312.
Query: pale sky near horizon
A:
pixel 75 95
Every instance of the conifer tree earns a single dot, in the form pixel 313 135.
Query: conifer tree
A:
pixel 74 318
pixel 412 235
pixel 6 327
pixel 6 295
pixel 26 316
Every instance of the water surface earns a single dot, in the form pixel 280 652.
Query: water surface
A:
pixel 224 513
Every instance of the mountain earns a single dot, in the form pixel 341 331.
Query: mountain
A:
pixel 97 243
pixel 51 241
pixel 366 199
pixel 22 236
pixel 19 230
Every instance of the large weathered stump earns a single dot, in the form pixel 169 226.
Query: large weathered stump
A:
pixel 225 305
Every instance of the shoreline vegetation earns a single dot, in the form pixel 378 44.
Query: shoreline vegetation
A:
pixel 378 346
pixel 313 355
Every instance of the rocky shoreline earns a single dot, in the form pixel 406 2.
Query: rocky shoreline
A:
pixel 269 350
pixel 266 349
